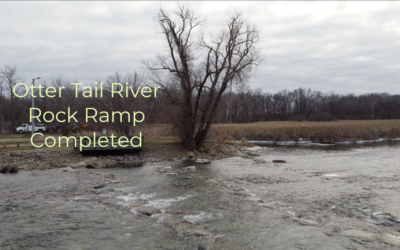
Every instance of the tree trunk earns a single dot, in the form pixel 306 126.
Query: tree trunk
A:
pixel 65 128
pixel 12 113
pixel 228 56
pixel 190 144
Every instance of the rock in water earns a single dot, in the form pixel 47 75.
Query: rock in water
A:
pixel 191 156
pixel 167 169
pixel 199 218
pixel 394 219
pixel 190 168
pixel 133 205
pixel 69 169
pixel 279 161
pixel 254 199
pixel 203 161
pixel 259 160
pixel 110 176
pixel 100 186
pixel 146 210
pixel 304 222
pixel 10 169
pixel 367 236
pixel 94 163
pixel 5 170
pixel 251 153
pixel 266 205
pixel 177 159
pixel 391 239
pixel 14 169
pixel 81 164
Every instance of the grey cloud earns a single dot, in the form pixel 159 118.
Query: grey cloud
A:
pixel 347 53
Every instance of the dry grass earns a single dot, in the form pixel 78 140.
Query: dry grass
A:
pixel 157 131
pixel 153 135
pixel 346 130
pixel 11 142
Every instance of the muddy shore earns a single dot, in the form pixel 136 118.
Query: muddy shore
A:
pixel 48 159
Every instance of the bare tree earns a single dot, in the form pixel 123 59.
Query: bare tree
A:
pixel 373 104
pixel 67 100
pixel 8 74
pixel 202 72
pixel 117 103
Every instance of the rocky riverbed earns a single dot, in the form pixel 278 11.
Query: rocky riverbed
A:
pixel 49 159
pixel 306 199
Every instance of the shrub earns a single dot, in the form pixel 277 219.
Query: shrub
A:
pixel 298 118
pixel 322 117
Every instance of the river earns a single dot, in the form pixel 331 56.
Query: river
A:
pixel 323 197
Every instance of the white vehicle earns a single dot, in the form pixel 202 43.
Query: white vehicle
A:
pixel 25 128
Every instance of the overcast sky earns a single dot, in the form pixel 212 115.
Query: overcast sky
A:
pixel 345 47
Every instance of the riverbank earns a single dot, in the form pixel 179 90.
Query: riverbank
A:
pixel 48 158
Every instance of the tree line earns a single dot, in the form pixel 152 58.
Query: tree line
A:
pixel 240 104
pixel 15 110
pixel 247 105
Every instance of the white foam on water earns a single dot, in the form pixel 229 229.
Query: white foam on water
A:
pixel 255 148
pixel 126 190
pixel 369 141
pixel 286 143
pixel 301 142
pixel 394 236
pixel 110 194
pixel 132 198
pixel 330 175
pixel 383 139
pixel 135 212
pixel 261 142
pixel 248 192
pixel 157 203
pixel 280 142
pixel 344 142
pixel 201 217
pixel 80 198
pixel 364 141
pixel 163 203
pixel 161 218
pixel 123 204
pixel 304 142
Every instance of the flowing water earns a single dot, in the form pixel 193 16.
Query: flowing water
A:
pixel 327 197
